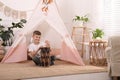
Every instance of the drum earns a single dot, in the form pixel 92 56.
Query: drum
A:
pixel 45 56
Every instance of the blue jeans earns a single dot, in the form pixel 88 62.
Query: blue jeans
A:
pixel 36 59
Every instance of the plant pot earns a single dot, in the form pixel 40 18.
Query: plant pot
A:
pixel 98 39
pixel 79 23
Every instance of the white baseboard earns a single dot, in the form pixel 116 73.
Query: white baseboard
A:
pixel 91 76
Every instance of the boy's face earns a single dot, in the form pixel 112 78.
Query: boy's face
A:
pixel 36 38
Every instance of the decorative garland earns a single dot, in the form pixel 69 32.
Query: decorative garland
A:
pixel 46 3
pixel 12 13
pixel 21 14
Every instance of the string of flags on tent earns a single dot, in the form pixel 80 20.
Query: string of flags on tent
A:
pixel 45 6
pixel 9 12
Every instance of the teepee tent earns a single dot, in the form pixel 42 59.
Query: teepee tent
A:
pixel 46 11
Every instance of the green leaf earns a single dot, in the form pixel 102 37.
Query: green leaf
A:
pixel 7 35
pixel 97 33
pixel 81 18
pixel 23 21
pixel 0 19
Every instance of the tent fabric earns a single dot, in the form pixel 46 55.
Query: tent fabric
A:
pixel 68 51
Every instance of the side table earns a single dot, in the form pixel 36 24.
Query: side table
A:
pixel 97 52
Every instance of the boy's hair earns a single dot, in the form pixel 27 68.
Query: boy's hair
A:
pixel 36 33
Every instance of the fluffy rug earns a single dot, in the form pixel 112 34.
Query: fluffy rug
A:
pixel 28 69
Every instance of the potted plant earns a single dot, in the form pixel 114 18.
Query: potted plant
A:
pixel 7 34
pixel 97 34
pixel 81 19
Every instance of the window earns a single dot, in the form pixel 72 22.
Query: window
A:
pixel 112 17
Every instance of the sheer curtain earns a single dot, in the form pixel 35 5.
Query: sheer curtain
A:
pixel 111 17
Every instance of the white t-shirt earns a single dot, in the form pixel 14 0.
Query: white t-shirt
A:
pixel 35 47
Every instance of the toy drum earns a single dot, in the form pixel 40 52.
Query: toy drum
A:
pixel 45 56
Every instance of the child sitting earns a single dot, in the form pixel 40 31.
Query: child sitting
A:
pixel 35 46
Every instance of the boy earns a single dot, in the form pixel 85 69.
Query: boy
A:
pixel 35 46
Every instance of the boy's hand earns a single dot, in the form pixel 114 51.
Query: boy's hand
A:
pixel 47 43
pixel 34 52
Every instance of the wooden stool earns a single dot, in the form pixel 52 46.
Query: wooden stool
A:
pixel 1 57
pixel 81 37
pixel 2 52
pixel 97 52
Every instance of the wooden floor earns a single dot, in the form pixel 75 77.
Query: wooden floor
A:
pixel 28 70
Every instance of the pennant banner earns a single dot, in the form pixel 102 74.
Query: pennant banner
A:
pixel 1 6
pixel 7 11
pixel 23 15
pixel 12 13
pixel 15 14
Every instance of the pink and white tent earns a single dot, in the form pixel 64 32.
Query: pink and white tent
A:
pixel 44 12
